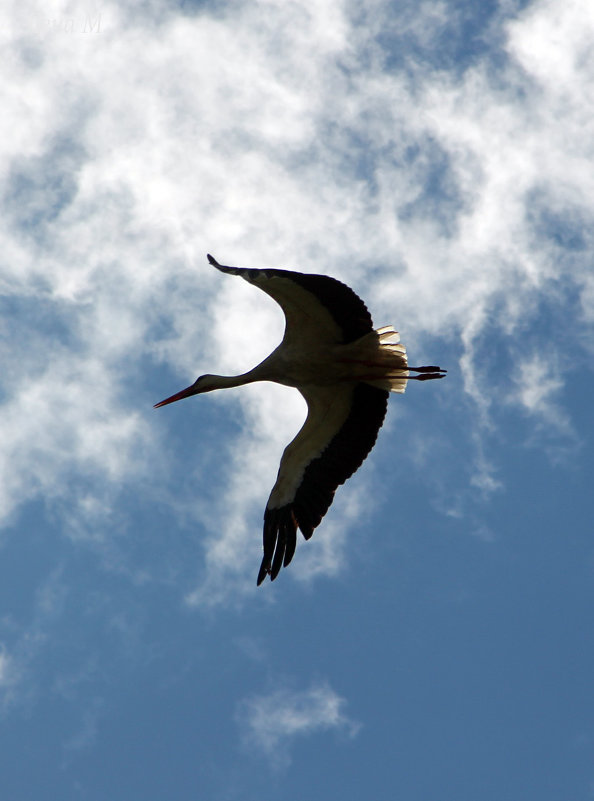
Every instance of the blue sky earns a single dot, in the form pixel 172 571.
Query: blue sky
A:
pixel 433 640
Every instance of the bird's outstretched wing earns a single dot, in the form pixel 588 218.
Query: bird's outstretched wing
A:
pixel 340 430
pixel 318 309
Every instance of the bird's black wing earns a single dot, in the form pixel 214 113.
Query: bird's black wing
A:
pixel 340 430
pixel 317 307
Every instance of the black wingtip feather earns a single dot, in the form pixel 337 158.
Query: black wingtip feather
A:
pixel 279 555
pixel 215 263
pixel 279 541
pixel 290 547
pixel 263 572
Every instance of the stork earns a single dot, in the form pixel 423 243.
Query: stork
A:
pixel 345 370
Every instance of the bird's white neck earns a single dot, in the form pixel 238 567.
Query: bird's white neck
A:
pixel 229 381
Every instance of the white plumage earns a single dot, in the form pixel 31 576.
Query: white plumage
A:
pixel 344 369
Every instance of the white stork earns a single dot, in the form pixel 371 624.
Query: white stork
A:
pixel 344 369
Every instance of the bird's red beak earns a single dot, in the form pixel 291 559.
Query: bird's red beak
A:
pixel 185 393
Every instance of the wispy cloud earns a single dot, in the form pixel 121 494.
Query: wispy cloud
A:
pixel 538 383
pixel 86 734
pixel 269 723
pixel 6 671
pixel 21 646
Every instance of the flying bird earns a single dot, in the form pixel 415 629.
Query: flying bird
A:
pixel 345 370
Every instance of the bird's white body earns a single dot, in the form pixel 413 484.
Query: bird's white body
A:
pixel 344 370
pixel 376 358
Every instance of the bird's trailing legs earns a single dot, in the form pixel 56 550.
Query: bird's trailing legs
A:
pixel 431 371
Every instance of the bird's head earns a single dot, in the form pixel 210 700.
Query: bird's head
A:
pixel 205 383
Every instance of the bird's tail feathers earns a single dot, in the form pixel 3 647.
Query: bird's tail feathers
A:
pixel 388 336
pixel 383 358
pixel 392 356
pixel 395 383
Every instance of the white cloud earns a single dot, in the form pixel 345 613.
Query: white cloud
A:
pixel 270 134
pixel 270 722
pixel 84 738
pixel 538 382
pixel 60 421
pixel 538 391
pixel 23 645
pixel 552 42
pixel 5 669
